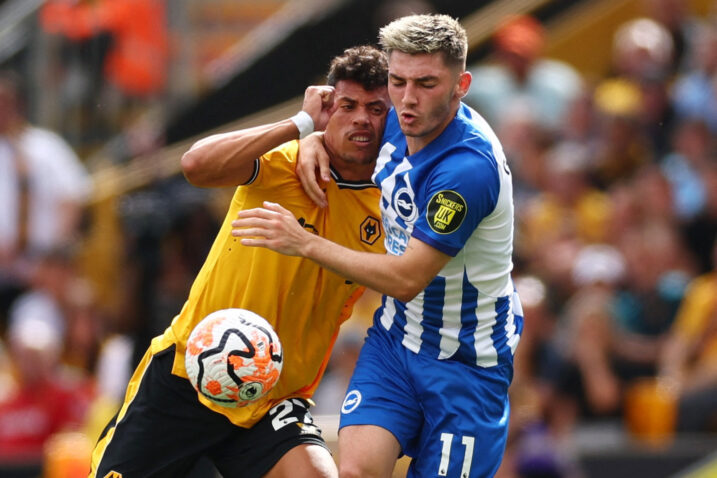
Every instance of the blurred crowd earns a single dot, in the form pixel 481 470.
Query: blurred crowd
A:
pixel 615 182
pixel 616 249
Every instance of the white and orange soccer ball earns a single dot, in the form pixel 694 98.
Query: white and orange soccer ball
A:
pixel 233 357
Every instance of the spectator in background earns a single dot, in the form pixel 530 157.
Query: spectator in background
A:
pixel 689 358
pixel 701 231
pixel 568 205
pixel 43 399
pixel 621 146
pixel 519 73
pixel 131 39
pixel 43 187
pixel 137 61
pixel 577 386
pixel 643 56
pixel 616 321
pixel 642 49
pixel 675 16
pixel 692 146
pixel 695 90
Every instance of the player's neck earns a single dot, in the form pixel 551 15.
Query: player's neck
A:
pixel 349 167
pixel 353 171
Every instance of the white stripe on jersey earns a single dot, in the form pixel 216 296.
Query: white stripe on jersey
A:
pixel 413 329
pixel 486 354
pixel 389 310
pixel 516 308
pixel 449 341
pixel 452 302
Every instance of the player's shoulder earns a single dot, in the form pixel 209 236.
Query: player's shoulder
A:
pixel 475 137
pixel 287 152
pixel 469 161
pixel 277 163
pixel 474 128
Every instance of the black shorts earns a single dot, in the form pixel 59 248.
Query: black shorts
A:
pixel 165 430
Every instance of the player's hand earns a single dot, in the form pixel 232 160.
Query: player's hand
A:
pixel 312 167
pixel 272 227
pixel 318 103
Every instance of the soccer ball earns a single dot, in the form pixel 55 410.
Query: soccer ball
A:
pixel 233 357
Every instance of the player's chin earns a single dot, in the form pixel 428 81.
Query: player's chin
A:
pixel 409 129
pixel 364 157
pixel 363 153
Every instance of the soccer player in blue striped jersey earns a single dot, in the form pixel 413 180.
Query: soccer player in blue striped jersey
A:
pixel 432 379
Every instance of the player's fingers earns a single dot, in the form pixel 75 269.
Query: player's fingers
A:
pixel 275 207
pixel 327 97
pixel 310 183
pixel 313 161
pixel 323 160
pixel 249 232
pixel 253 242
pixel 316 100
pixel 254 222
pixel 257 212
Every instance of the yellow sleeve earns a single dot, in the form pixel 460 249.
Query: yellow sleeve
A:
pixel 697 307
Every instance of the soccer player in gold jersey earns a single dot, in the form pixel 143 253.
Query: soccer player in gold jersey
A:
pixel 164 425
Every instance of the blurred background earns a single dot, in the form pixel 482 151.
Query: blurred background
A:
pixel 607 110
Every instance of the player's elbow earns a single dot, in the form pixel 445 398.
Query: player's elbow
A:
pixel 407 289
pixel 192 163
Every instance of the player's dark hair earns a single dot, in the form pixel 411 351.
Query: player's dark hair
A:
pixel 363 64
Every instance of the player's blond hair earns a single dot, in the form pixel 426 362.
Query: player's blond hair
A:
pixel 427 33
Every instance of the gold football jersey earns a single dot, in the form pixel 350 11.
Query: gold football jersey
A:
pixel 304 302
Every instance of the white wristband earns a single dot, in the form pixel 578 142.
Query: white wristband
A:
pixel 304 123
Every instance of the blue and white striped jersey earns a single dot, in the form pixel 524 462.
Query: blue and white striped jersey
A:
pixel 455 195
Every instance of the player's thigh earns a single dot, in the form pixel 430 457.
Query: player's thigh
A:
pixel 305 461
pixel 367 450
pixel 466 419
pixel 154 433
pixel 380 392
pixel 256 451
pixel 381 415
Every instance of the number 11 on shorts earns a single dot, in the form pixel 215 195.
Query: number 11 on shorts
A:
pixel 447 439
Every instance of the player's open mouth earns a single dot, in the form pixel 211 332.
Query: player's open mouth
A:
pixel 360 138
pixel 408 117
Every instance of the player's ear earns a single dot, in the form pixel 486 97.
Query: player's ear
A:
pixel 464 83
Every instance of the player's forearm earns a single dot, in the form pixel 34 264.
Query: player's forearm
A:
pixel 403 277
pixel 227 159
pixel 381 272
